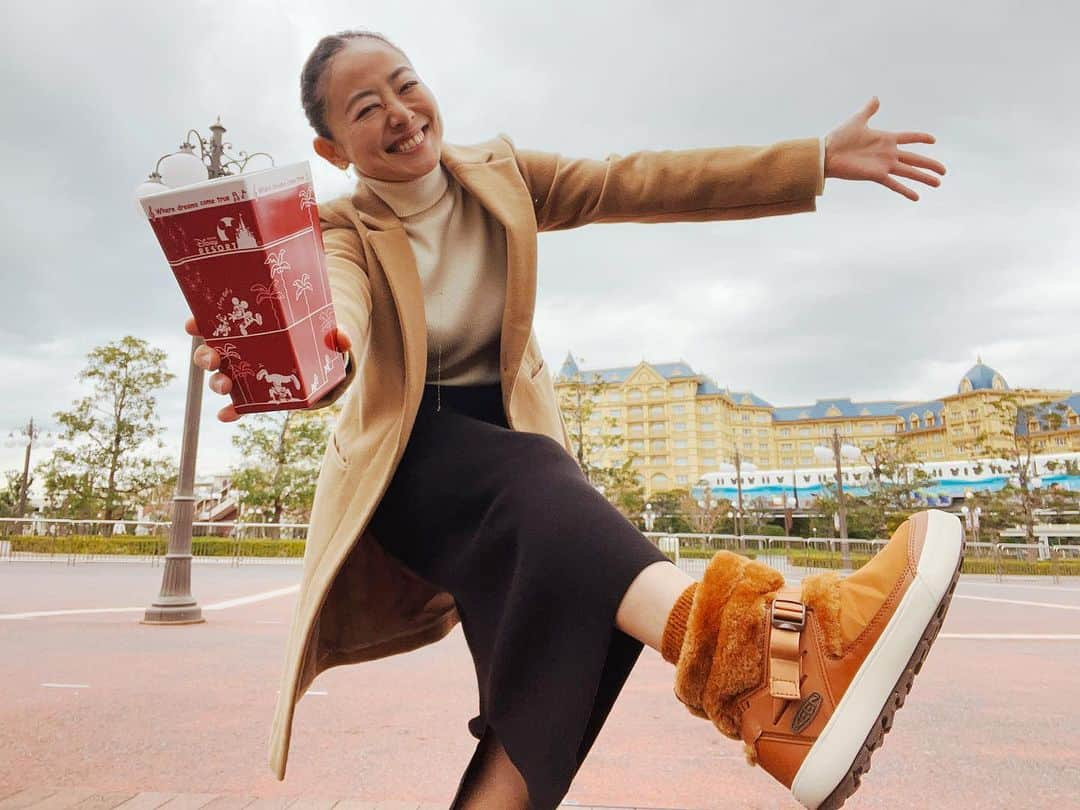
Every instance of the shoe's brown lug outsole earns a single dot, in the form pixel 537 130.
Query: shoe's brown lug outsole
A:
pixel 850 783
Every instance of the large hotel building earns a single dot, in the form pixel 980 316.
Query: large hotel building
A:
pixel 681 425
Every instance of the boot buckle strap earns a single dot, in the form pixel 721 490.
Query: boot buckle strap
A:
pixel 787 619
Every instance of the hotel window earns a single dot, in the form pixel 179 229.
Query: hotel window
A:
pixel 805 446
pixel 747 445
pixel 595 431
pixel 615 413
pixel 678 409
pixel 805 460
pixel 705 409
pixel 706 425
pixel 973 413
pixel 680 443
pixel 637 444
pixel 635 395
pixel 914 422
pixel 746 417
pixel 656 410
pixel 763 446
pixel 680 479
pixel 708 443
pixel 785 431
pixel 660 460
pixel 638 461
pixel 657 444
pixel 656 393
pixel 747 432
pixel 888 429
pixel 636 413
pixel 786 446
pixel 614 396
pixel 680 461
pixel 637 430
pixel 929 419
pixel 762 431
pixel 804 431
pixel 680 425
pixel 657 427
pixel 787 460
pixel 708 462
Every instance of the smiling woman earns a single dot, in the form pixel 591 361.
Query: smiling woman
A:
pixel 452 492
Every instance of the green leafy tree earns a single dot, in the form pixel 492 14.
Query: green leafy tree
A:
pixel 282 451
pixel 669 505
pixel 10 492
pixel 104 472
pixel 1012 434
pixel 591 436
pixel 895 478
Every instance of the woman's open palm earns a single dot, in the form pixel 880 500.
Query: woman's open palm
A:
pixel 853 151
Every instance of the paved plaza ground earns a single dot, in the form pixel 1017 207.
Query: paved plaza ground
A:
pixel 100 711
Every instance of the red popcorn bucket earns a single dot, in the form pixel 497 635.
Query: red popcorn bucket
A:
pixel 247 252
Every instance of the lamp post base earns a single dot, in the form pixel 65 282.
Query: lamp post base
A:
pixel 175 604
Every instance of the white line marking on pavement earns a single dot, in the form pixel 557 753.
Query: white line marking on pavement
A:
pixel 257 597
pixel 1029 586
pixel 1014 636
pixel 68 685
pixel 242 600
pixel 1016 602
pixel 37 613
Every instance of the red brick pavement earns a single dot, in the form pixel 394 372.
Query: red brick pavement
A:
pixel 184 712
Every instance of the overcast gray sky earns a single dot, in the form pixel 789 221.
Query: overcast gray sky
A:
pixel 872 296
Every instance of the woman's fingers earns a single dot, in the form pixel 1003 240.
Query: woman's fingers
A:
pixel 923 162
pixel 911 174
pixel 899 188
pixel 339 340
pixel 220 383
pixel 206 358
pixel 228 414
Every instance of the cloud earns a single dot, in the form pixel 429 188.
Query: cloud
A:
pixel 871 296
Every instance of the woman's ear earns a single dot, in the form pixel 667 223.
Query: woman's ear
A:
pixel 328 150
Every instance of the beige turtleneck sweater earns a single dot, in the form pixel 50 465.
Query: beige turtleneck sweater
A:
pixel 460 255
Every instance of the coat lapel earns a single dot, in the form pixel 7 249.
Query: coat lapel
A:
pixel 496 184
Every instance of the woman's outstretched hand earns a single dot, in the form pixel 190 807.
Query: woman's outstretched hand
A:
pixel 208 359
pixel 853 151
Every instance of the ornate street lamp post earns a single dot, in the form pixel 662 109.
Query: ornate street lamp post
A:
pixel 835 452
pixel 737 468
pixel 32 435
pixel 175 604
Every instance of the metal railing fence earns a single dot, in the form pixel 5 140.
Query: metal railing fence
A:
pixel 237 542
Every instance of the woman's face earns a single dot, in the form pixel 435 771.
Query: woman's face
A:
pixel 384 120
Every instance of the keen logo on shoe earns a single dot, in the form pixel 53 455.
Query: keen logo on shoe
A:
pixel 806 713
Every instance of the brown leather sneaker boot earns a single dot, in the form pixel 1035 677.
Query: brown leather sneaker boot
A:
pixel 809 678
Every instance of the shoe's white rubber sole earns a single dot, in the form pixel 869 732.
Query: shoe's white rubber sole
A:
pixel 917 618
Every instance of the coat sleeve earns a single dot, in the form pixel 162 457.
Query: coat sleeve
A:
pixel 350 292
pixel 691 185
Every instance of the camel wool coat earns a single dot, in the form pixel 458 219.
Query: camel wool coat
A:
pixel 357 603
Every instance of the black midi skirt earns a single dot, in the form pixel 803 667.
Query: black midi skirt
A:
pixel 538 563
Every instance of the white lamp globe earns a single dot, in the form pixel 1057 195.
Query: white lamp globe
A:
pixel 849 451
pixel 145 189
pixel 182 168
pixel 823 453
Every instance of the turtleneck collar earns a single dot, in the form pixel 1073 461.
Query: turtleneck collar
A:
pixel 409 197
